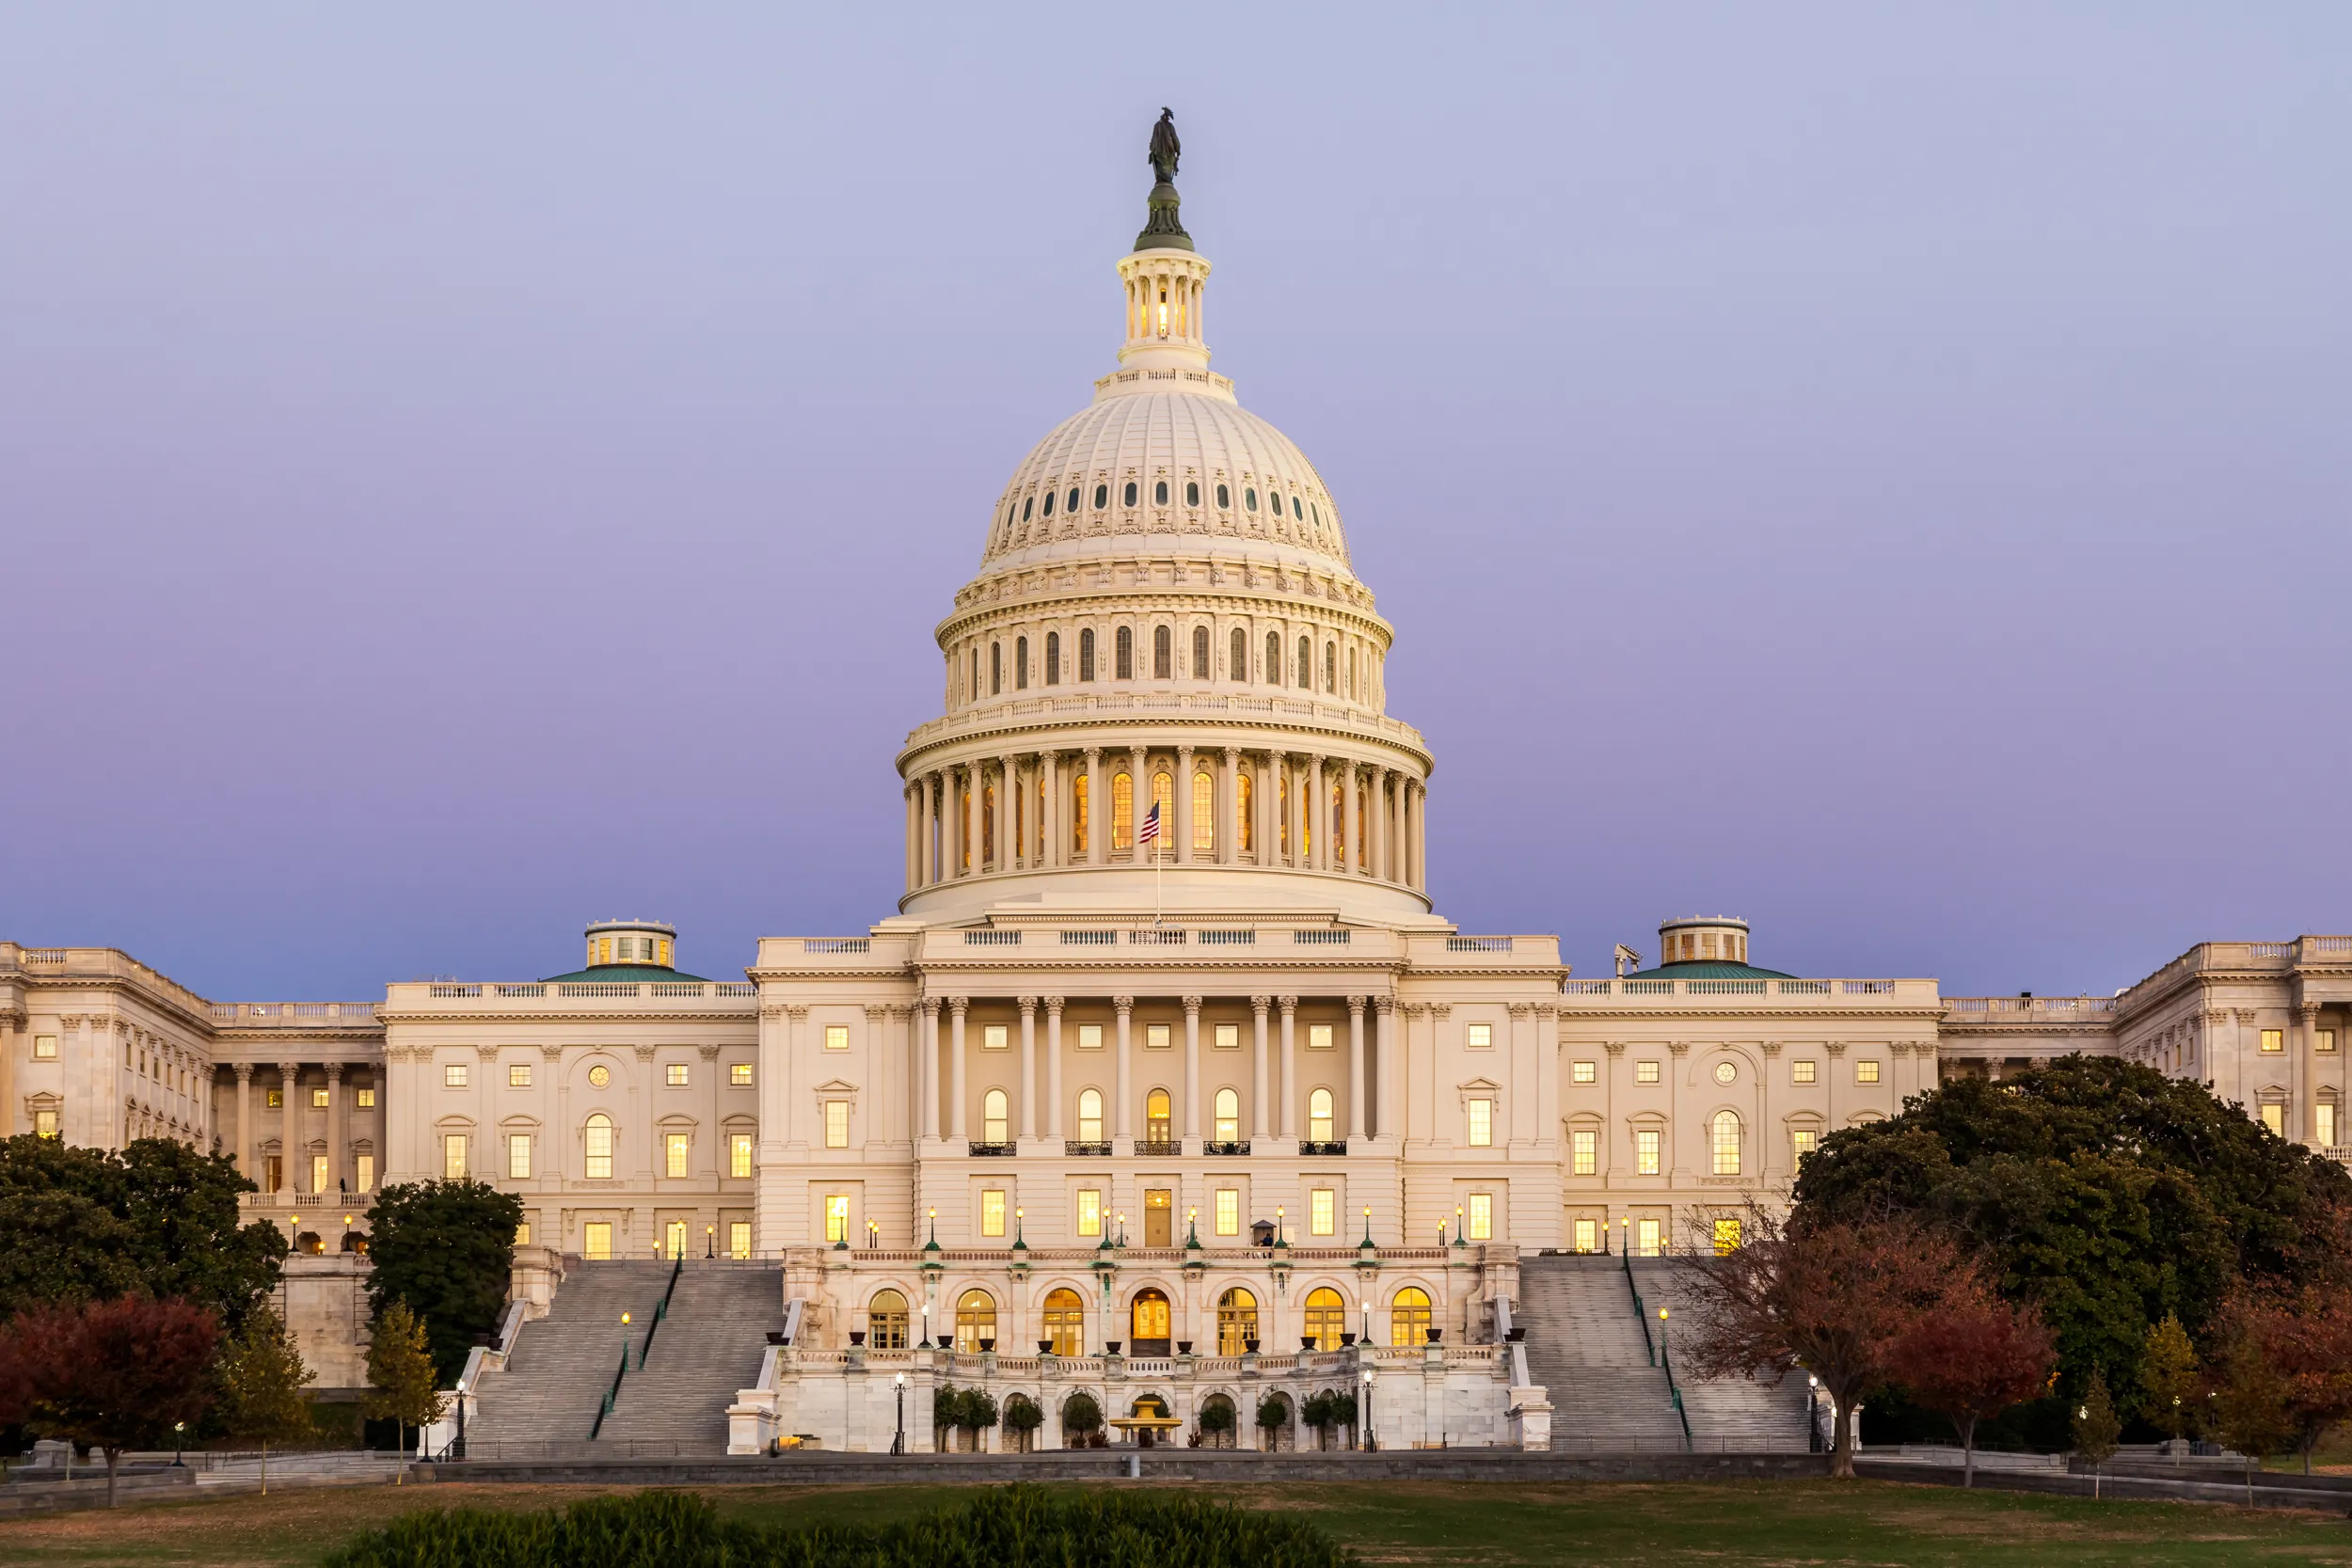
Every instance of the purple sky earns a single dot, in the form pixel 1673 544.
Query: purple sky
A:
pixel 468 470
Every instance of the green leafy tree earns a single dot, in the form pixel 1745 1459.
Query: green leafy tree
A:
pixel 2096 1428
pixel 262 1379
pixel 158 1218
pixel 2168 1378
pixel 446 1249
pixel 1081 1419
pixel 111 1375
pixel 1218 1418
pixel 976 1412
pixel 400 1373
pixel 1022 1418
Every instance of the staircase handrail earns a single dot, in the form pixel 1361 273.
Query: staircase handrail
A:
pixel 661 1310
pixel 610 1395
pixel 1673 1391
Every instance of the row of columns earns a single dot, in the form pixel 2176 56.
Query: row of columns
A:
pixel 1376 831
pixel 1266 1064
pixel 293 1163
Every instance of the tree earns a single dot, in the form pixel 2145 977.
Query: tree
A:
pixel 447 1248
pixel 1833 1297
pixel 1973 1355
pixel 2096 1427
pixel 2169 1377
pixel 1314 1413
pixel 1023 1417
pixel 976 1412
pixel 262 1379
pixel 2302 1339
pixel 1273 1415
pixel 108 1374
pixel 399 1370
pixel 1080 1417
pixel 1218 1418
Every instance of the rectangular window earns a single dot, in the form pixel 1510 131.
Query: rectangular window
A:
pixel 1156 1036
pixel 1482 1036
pixel 273 1177
pixel 1726 1237
pixel 837 1124
pixel 1090 1037
pixel 1482 1216
pixel 321 1099
pixel 367 1100
pixel 836 1217
pixel 1090 1211
pixel 453 1157
pixel 276 1099
pixel 1804 1141
pixel 1645 1152
pixel 2273 1040
pixel 1802 1073
pixel 739 1238
pixel 1228 1211
pixel 1482 1123
pixel 44 1048
pixel 1866 1073
pixel 1587 1236
pixel 595 1240
pixel 2324 1042
pixel 1228 1036
pixel 1323 1211
pixel 1318 1037
pixel 995 1038
pixel 1584 1072
pixel 740 1075
pixel 518 1156
pixel 836 1037
pixel 365 1166
pixel 522 1233
pixel 518 1075
pixel 991 1210
pixel 674 1076
pixel 673 1152
pixel 1586 1146
pixel 1647 1237
pixel 2275 1117
pixel 318 1173
pixel 1646 1072
pixel 2324 1124
pixel 740 1155
pixel 452 1077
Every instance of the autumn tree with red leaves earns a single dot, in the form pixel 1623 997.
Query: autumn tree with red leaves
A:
pixel 2301 1340
pixel 1971 1355
pixel 107 1374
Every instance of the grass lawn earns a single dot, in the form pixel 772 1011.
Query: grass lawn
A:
pixel 1875 1523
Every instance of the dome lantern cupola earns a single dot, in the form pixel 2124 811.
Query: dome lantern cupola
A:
pixel 632 942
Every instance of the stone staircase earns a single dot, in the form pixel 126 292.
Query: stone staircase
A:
pixel 560 1367
pixel 708 1348
pixel 1584 1345
pixel 1739 1414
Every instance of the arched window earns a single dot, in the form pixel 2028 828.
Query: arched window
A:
pixel 1204 813
pixel 996 667
pixel 1122 812
pixel 1155 1116
pixel 1200 653
pixel 1101 496
pixel 1319 1119
pixel 975 1321
pixel 1332 666
pixel 1053 658
pixel 1078 815
pixel 1244 811
pixel 1163 654
pixel 1086 654
pixel 1159 493
pixel 1048 510
pixel 1274 658
pixel 1306 665
pixel 1408 1317
pixel 1163 797
pixel 1192 492
pixel 988 824
pixel 1072 505
pixel 1128 495
pixel 975 687
pixel 1019 664
pixel 1148 1320
pixel 1237 657
pixel 1123 666
pixel 1327 1317
pixel 1227 1116
pixel 600 1146
pixel 1224 498
pixel 1065 1323
pixel 1339 823
pixel 964 805
pixel 1090 1116
pixel 992 1129
pixel 1025 505
pixel 1351 674
pixel 887 1320
pixel 1249 499
pixel 1724 1139
pixel 1295 511
pixel 1236 1322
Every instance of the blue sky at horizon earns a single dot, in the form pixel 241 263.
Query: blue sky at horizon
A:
pixel 467 471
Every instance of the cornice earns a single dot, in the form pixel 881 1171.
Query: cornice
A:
pixel 746 1014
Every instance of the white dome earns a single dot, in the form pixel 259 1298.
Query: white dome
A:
pixel 1201 446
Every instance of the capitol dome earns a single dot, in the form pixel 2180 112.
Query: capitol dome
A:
pixel 1165 688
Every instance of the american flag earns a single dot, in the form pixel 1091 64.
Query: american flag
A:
pixel 1151 829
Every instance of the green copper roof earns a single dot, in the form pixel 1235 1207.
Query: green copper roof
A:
pixel 1709 969
pixel 623 972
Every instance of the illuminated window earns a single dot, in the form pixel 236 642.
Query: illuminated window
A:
pixel 1090 1037
pixel 2274 1039
pixel 1325 1318
pixel 1123 651
pixel 1319 1037
pixel 518 1156
pixel 837 1124
pixel 740 1075
pixel 1319 1117
pixel 2324 1124
pixel 740 1155
pixel 1727 1073
pixel 1323 1211
pixel 1236 1322
pixel 599 1143
pixel 1647 1237
pixel 599 1075
pixel 1163 797
pixel 2324 1042
pixel 1227 1116
pixel 522 1233
pixel 364 1171
pixel 1155 1116
pixel 318 1173
pixel 595 1240
pixel 1065 1323
pixel 2275 1117
pixel 518 1075
pixel 1122 812
pixel 1090 1116
pixel 1482 1036
pixel 1584 1145
pixel 1228 1036
pixel 1646 1072
pixel 1245 812
pixel 1804 1141
pixel 1482 1216
pixel 992 1212
pixel 836 1037
pixel 452 1077
pixel 1584 1072
pixel 1645 1152
pixel 1228 1211
pixel 1086 654
pixel 1090 1211
pixel 1204 811
pixel 1723 1138
pixel 321 1099
pixel 44 1048
pixel 739 1245
pixel 1726 1237
pixel 836 1217
pixel 1482 1123
pixel 674 1152
pixel 1802 1073
pixel 452 1156
pixel 673 1239
pixel 995 1036
pixel 1408 1317
pixel 992 1120
pixel 276 1099
pixel 44 1123
pixel 1866 1073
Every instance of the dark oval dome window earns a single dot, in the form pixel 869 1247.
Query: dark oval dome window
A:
pixel 1159 494
pixel 1296 510
pixel 1318 512
pixel 1049 503
pixel 1131 493
pixel 1024 508
pixel 1192 492
pixel 1072 504
pixel 1101 496
pixel 1224 498
pixel 1249 499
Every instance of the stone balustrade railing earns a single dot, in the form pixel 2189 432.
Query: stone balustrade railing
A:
pixel 293 1015
pixel 1804 994
pixel 1236 706
pixel 409 992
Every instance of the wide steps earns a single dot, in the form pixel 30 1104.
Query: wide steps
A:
pixel 1586 1346
pixel 1727 1412
pixel 708 1348
pixel 560 1366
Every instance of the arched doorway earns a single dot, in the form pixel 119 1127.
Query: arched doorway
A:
pixel 887 1320
pixel 976 1323
pixel 1219 1423
pixel 1065 1324
pixel 1281 1434
pixel 1019 1419
pixel 1326 1319
pixel 1149 1319
pixel 1408 1317
pixel 1236 1322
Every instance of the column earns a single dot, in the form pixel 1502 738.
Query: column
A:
pixel 927 1064
pixel 1007 833
pixel 1139 796
pixel 1184 805
pixel 1192 1069
pixel 289 1150
pixel 338 1159
pixel 796 1088
pixel 245 1162
pixel 1049 809
pixel 8 1027
pixel 1271 811
pixel 975 798
pixel 1356 1128
pixel 1678 1167
pixel 1420 837
pixel 1229 810
pixel 1098 810
pixel 1387 1116
pixel 1396 830
pixel 925 860
pixel 1053 1067
pixel 1029 1068
pixel 958 1005
pixel 1318 841
pixel 1257 1108
pixel 1377 803
pixel 1290 1064
pixel 1123 1119
pixel 913 870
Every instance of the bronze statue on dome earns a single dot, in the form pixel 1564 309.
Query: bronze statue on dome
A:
pixel 1166 148
pixel 1163 227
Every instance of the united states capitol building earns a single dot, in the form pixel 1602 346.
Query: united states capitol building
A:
pixel 1164 1081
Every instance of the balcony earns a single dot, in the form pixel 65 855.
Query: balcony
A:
pixel 1228 1146
pixel 1323 1145
pixel 1159 1149
pixel 992 1150
pixel 1082 1147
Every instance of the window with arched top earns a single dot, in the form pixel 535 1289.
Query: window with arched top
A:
pixel 1204 813
pixel 1123 655
pixel 1326 1318
pixel 1227 1116
pixel 1027 502
pixel 1249 499
pixel 988 824
pixel 1072 504
pixel 1244 811
pixel 1065 1323
pixel 1148 1320
pixel 1274 658
pixel 1200 653
pixel 1127 496
pixel 1408 1317
pixel 1236 1322
pixel 975 1321
pixel 1723 1138
pixel 1159 493
pixel 1297 513
pixel 1156 1121
pixel 1331 668
pixel 1306 664
pixel 1163 654
pixel 1192 492
pixel 1086 654
pixel 993 1117
pixel 1090 1116
pixel 1319 1117
pixel 598 1146
pixel 1237 657
pixel 1224 498
pixel 1122 812
pixel 1047 510
pixel 1101 496
pixel 1053 658
pixel 1019 664
pixel 1163 797
pixel 887 1320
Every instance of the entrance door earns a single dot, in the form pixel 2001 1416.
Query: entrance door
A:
pixel 1159 1217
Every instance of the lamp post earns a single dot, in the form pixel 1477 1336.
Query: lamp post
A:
pixel 898 1444
pixel 927 1323
pixel 461 1417
pixel 1813 1412
pixel 1372 1440
pixel 177 1429
pixel 1661 1336
pixel 710 1240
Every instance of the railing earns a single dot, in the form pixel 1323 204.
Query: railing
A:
pixel 992 938
pixel 525 990
pixel 612 1396
pixel 1478 945
pixel 1089 939
pixel 837 944
pixel 1323 1146
pixel 1078 1146
pixel 1230 1146
pixel 976 1146
pixel 1320 939
pixel 1229 939
pixel 1154 936
pixel 1919 990
pixel 1359 718
pixel 1159 1149
pixel 279 1014
pixel 2060 1008
pixel 661 1311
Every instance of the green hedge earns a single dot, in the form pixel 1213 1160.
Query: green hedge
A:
pixel 1010 1529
